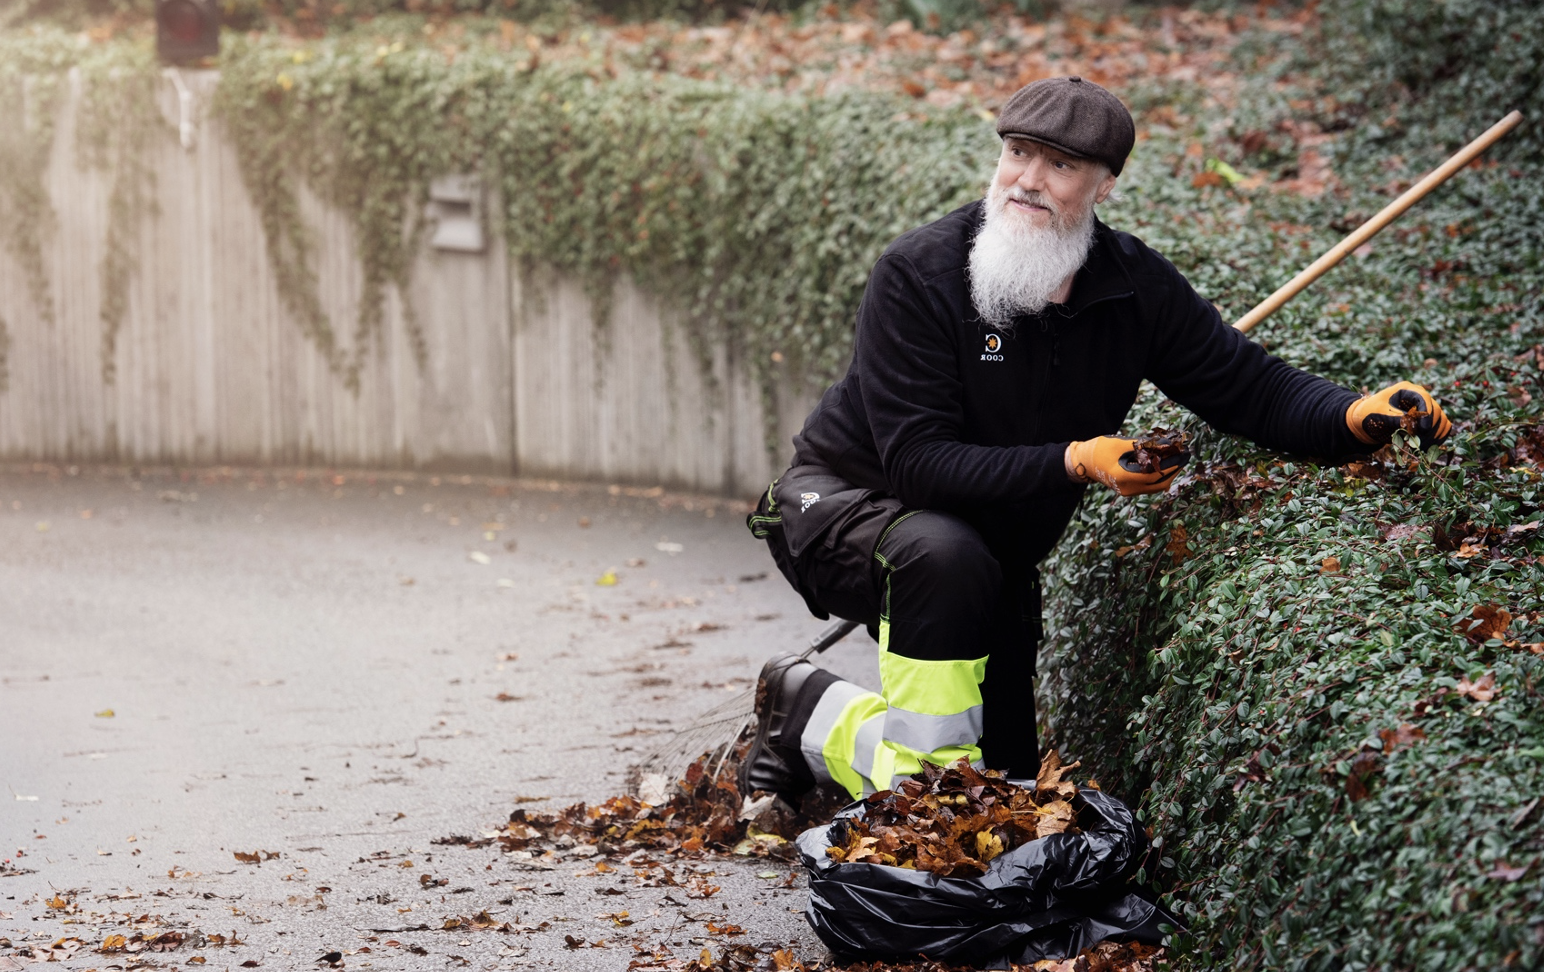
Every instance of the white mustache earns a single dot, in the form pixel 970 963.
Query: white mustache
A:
pixel 1032 197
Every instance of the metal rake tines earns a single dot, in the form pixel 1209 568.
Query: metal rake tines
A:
pixel 713 735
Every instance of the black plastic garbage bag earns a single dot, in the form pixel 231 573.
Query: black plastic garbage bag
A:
pixel 1050 898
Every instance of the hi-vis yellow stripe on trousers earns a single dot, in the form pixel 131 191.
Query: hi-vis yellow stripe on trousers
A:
pixel 930 711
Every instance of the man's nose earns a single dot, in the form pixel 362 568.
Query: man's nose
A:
pixel 1033 176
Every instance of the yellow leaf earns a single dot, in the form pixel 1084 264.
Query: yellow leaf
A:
pixel 608 579
pixel 988 845
pixel 105 714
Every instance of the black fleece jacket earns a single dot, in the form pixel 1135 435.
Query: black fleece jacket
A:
pixel 945 413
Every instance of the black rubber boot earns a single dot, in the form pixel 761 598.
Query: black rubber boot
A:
pixel 774 762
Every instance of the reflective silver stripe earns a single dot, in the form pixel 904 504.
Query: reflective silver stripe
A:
pixel 812 742
pixel 926 733
pixel 870 737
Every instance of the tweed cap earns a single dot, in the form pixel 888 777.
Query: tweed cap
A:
pixel 1073 115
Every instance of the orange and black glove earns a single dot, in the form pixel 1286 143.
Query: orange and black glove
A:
pixel 1375 418
pixel 1113 460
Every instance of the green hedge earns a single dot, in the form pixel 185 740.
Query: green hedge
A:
pixel 1206 659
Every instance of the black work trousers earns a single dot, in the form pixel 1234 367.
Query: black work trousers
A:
pixel 931 579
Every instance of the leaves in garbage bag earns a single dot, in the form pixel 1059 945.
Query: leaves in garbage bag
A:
pixel 952 821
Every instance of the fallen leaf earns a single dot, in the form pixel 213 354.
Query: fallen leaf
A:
pixel 1363 767
pixel 1405 735
pixel 1485 622
pixel 1329 565
pixel 1505 872
pixel 1178 548
pixel 105 714
pixel 1137 547
pixel 608 579
pixel 1482 690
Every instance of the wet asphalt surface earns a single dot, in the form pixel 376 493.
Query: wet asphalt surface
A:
pixel 338 669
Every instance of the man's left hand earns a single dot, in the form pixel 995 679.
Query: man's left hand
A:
pixel 1375 418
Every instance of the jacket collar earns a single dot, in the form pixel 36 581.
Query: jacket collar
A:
pixel 1103 275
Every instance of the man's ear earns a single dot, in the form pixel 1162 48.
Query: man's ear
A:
pixel 1106 186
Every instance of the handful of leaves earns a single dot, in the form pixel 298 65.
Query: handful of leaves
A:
pixel 1150 451
pixel 954 820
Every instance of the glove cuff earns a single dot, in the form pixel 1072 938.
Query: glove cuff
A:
pixel 1354 423
pixel 1075 463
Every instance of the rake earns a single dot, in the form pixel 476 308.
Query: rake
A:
pixel 711 738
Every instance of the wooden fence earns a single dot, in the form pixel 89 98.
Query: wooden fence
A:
pixel 210 369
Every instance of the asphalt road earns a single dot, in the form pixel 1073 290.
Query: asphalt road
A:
pixel 338 669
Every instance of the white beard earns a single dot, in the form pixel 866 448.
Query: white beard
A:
pixel 1016 266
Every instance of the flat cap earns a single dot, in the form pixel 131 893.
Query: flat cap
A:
pixel 1073 115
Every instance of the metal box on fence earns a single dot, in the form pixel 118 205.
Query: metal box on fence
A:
pixel 455 207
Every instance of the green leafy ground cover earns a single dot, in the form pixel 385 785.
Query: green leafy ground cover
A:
pixel 1272 659
pixel 1338 744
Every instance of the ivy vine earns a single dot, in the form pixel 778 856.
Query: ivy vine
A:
pixel 755 214
pixel 117 121
pixel 31 79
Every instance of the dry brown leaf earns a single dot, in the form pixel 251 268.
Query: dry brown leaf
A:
pixel 1404 531
pixel 1405 735
pixel 1363 766
pixel 1329 565
pixel 1482 690
pixel 1178 549
pixel 1486 621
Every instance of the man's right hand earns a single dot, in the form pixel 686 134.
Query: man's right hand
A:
pixel 1111 460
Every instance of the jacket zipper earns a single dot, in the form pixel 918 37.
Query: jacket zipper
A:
pixel 1055 359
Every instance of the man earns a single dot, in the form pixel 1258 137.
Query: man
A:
pixel 997 352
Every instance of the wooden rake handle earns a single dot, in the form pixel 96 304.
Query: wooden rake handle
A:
pixel 1369 229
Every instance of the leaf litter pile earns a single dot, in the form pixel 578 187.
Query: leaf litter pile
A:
pixel 952 821
pixel 1153 449
pixel 939 827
